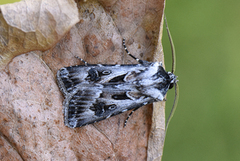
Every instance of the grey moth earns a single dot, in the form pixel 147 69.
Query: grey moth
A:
pixel 94 92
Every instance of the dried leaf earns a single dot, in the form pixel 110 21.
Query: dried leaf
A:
pixel 31 104
pixel 33 25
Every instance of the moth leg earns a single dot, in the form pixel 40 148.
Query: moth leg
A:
pixel 125 47
pixel 125 123
pixel 85 63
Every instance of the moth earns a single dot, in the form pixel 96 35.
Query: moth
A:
pixel 94 92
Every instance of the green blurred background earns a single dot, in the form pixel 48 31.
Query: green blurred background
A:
pixel 8 1
pixel 205 126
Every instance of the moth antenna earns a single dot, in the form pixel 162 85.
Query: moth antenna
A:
pixel 125 123
pixel 85 63
pixel 173 70
pixel 172 46
pixel 125 47
pixel 174 106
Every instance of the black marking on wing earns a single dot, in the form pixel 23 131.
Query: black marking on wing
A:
pixel 101 108
pixel 118 79
pixel 95 74
pixel 122 96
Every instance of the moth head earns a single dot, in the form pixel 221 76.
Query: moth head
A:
pixel 173 80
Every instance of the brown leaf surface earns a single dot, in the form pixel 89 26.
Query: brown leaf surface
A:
pixel 33 25
pixel 31 117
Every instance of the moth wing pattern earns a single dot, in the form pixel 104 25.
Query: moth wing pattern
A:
pixel 96 92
